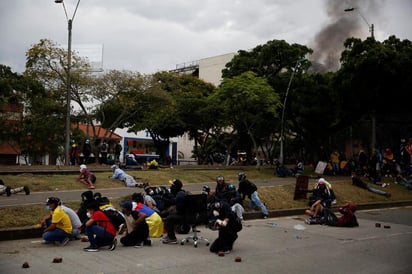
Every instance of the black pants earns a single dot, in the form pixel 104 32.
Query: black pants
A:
pixel 224 241
pixel 139 234
pixel 172 220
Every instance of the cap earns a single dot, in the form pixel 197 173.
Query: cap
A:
pixel 114 167
pixel 127 205
pixel 53 200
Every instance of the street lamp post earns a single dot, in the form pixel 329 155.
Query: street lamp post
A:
pixel 373 119
pixel 371 26
pixel 68 81
pixel 282 123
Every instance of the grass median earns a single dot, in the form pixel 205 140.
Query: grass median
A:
pixel 275 197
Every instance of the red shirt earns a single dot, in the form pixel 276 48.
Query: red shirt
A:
pixel 104 221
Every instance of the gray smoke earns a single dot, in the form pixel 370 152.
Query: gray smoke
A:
pixel 328 43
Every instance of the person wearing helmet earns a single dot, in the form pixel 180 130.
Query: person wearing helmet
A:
pixel 249 189
pixel 236 202
pixel 87 177
pixel 128 180
pixel 222 189
pixel 228 227
pixel 148 198
pixel 60 227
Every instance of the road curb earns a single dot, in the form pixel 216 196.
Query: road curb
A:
pixel 27 232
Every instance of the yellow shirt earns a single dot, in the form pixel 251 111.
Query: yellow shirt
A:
pixel 62 220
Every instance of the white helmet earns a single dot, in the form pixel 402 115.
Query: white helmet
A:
pixel 82 167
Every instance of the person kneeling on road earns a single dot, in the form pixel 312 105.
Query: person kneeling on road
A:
pixel 99 229
pixel 228 224
pixel 137 233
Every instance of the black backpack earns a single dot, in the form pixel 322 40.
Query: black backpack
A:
pixel 115 216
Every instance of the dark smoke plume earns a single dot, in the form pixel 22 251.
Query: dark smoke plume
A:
pixel 328 43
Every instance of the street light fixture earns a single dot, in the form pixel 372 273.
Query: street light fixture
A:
pixel 68 82
pixel 282 123
pixel 371 26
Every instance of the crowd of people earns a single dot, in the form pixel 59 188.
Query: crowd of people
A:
pixel 157 212
pixel 87 154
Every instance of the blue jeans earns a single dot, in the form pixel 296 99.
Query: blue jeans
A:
pixel 56 235
pixel 377 191
pixel 256 202
pixel 102 237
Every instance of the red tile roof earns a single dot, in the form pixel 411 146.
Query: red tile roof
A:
pixel 100 132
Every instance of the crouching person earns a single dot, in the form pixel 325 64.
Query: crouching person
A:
pixel 99 229
pixel 228 225
pixel 60 227
pixel 137 233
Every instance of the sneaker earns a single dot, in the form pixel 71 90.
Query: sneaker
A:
pixel 139 245
pixel 121 229
pixel 147 242
pixel 91 187
pixel 265 216
pixel 113 245
pixel 65 241
pixel 8 191
pixel 26 190
pixel 169 241
pixel 91 248
pixel 227 251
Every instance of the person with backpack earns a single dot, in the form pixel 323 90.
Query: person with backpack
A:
pixel 249 189
pixel 228 225
pixel 99 229
pixel 137 233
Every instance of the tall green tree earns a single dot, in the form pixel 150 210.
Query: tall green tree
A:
pixel 249 105
pixel 33 117
pixel 374 83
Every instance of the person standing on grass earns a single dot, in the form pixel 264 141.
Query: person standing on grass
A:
pixel 59 226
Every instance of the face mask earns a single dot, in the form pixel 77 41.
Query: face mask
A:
pixel 48 208
pixel 89 215
pixel 215 213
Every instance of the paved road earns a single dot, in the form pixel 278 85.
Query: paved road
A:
pixel 275 245
pixel 111 193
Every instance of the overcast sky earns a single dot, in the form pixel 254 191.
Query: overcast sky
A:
pixel 154 35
